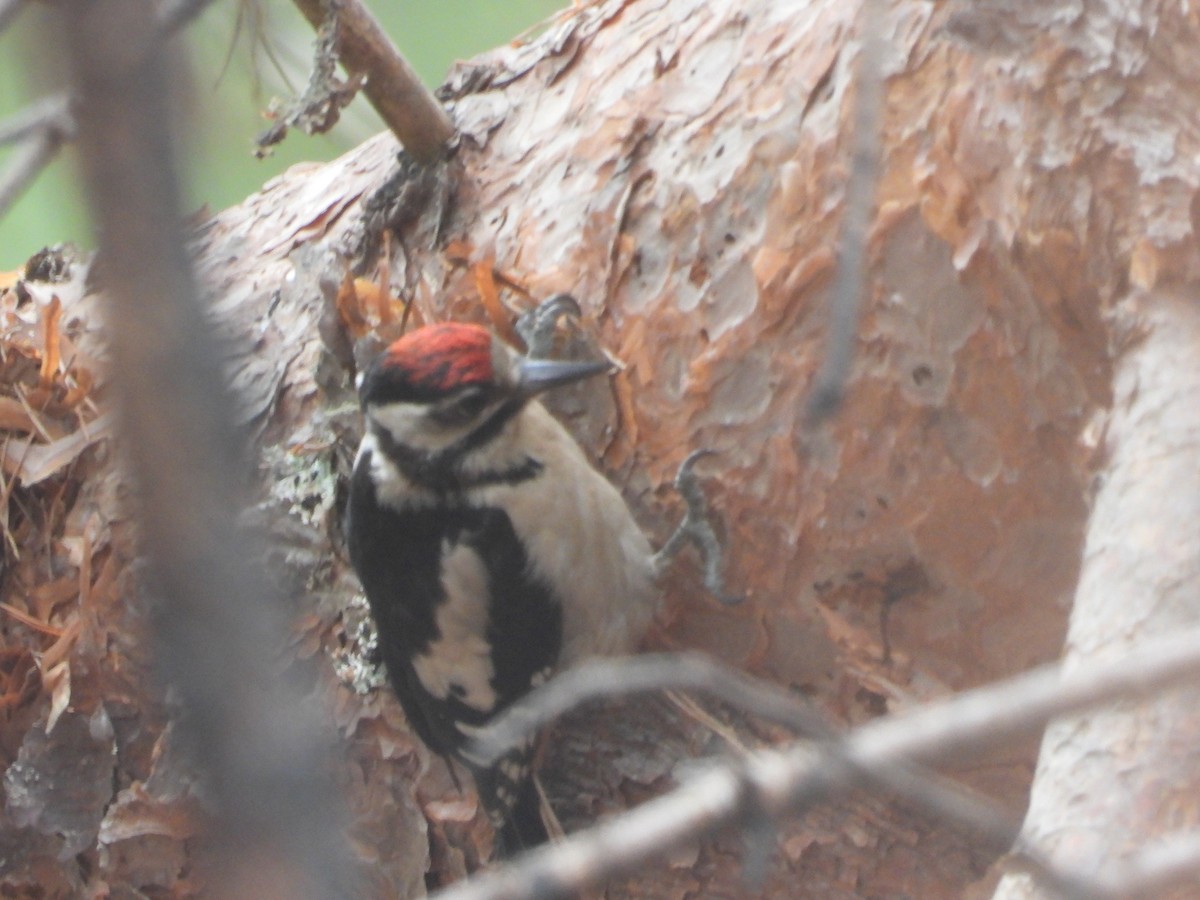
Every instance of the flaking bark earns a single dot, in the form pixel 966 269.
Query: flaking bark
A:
pixel 680 168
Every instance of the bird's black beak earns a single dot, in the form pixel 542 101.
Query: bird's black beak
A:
pixel 537 375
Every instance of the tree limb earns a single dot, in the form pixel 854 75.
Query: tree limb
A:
pixel 217 625
pixel 778 782
pixel 393 87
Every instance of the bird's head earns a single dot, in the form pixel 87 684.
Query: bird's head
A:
pixel 436 386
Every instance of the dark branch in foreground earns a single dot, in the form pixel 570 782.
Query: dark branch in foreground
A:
pixel 217 628
pixel 777 783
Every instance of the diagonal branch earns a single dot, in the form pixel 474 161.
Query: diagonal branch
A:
pixel 850 281
pixel 393 87
pixel 41 130
pixel 779 782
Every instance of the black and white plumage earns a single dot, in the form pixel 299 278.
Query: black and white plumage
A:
pixel 491 551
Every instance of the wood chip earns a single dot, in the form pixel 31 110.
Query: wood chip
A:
pixel 34 463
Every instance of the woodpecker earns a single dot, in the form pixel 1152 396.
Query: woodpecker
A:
pixel 491 552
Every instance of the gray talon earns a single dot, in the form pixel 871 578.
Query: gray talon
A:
pixel 536 326
pixel 697 528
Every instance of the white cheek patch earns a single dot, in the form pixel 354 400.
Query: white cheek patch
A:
pixel 391 487
pixel 410 426
pixel 459 662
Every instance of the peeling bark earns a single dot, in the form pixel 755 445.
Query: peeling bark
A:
pixel 680 168
pixel 1113 782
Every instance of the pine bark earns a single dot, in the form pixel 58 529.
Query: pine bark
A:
pixel 680 168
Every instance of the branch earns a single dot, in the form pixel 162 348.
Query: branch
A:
pixel 175 14
pixel 929 793
pixel 393 87
pixel 8 11
pixel 216 624
pixel 778 782
pixel 43 128
pixel 850 281
pixel 604 679
pixel 48 124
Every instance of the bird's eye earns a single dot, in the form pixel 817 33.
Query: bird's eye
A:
pixel 462 408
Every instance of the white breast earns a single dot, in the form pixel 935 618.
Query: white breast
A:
pixel 459 661
pixel 581 538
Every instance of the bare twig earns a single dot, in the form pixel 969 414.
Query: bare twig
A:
pixel 50 113
pixel 42 128
pixel 850 282
pixel 259 745
pixel 602 679
pixel 923 790
pixel 777 782
pixel 8 11
pixel 47 124
pixel 27 162
pixel 393 87
pixel 174 14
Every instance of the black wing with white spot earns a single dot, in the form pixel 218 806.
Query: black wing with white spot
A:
pixel 463 628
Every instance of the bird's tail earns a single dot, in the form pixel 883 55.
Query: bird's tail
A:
pixel 511 801
pixel 524 828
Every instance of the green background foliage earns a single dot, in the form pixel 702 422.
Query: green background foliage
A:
pixel 236 49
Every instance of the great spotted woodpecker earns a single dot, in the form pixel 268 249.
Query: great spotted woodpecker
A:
pixel 492 553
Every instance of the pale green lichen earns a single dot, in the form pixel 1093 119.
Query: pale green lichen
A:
pixel 357 664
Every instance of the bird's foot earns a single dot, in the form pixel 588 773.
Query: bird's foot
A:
pixel 697 528
pixel 536 326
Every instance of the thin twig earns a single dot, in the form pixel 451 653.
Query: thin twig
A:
pixel 603 679
pixel 48 113
pixel 8 11
pixel 318 109
pixel 47 124
pixel 393 86
pixel 36 624
pixel 175 14
pixel 37 151
pixel 259 745
pixel 850 282
pixel 925 791
pixel 777 782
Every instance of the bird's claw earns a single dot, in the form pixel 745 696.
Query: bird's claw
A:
pixel 536 326
pixel 697 528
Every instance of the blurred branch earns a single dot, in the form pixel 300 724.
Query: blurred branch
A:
pixel 850 281
pixel 46 125
pixel 41 129
pixel 775 783
pixel 603 679
pixel 393 87
pixel 8 11
pixel 931 794
pixel 175 14
pixel 47 114
pixel 216 623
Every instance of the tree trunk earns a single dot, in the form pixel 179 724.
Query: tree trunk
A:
pixel 680 168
